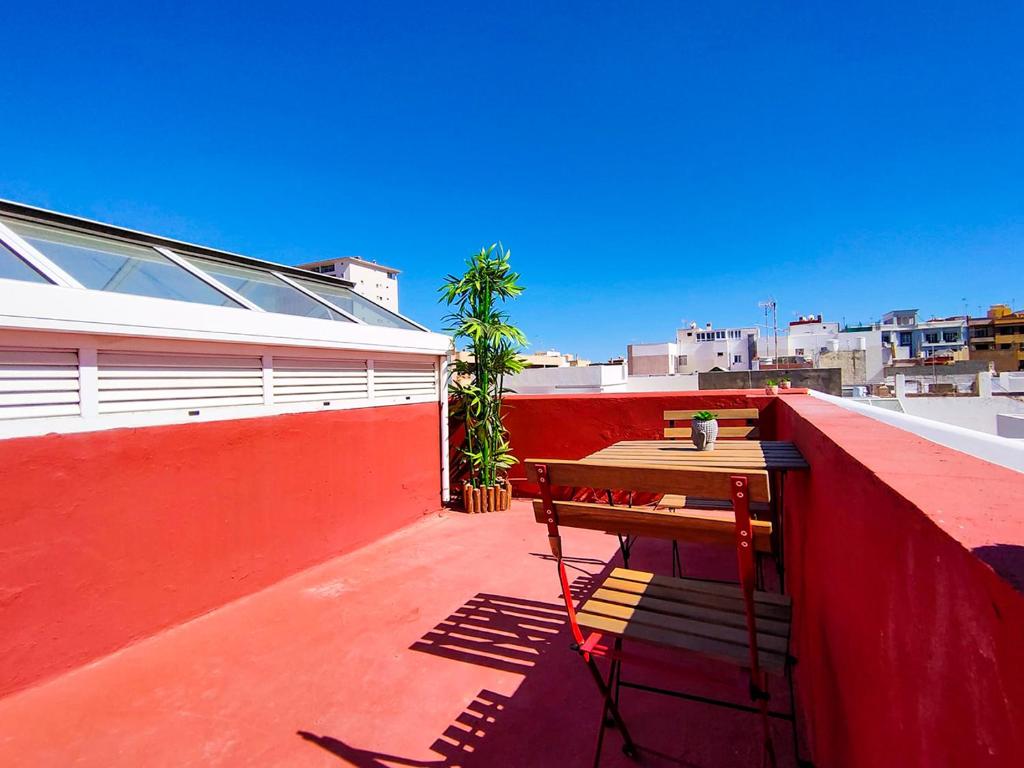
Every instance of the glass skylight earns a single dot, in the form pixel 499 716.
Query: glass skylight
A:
pixel 13 268
pixel 350 301
pixel 264 290
pixel 110 265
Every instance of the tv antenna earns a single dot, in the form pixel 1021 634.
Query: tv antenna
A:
pixel 768 305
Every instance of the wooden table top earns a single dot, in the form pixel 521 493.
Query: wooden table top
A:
pixel 741 454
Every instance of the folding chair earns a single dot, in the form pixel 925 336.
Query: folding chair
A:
pixel 731 622
pixel 738 424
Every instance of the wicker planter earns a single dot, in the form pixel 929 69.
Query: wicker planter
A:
pixel 704 433
pixel 493 498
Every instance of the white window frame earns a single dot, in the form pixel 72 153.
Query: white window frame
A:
pixel 207 278
pixel 41 263
pixel 285 279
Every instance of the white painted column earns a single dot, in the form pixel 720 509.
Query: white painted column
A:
pixel 88 382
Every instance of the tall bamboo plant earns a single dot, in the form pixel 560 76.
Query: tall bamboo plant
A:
pixel 493 343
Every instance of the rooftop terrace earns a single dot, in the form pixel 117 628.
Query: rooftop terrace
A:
pixel 219 594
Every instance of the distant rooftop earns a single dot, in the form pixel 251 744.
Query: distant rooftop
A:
pixel 350 260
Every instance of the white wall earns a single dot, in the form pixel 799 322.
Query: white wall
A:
pixel 1010 425
pixel 998 450
pixel 978 413
pixel 548 381
pixel 684 382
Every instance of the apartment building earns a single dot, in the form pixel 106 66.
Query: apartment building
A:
pixel 696 350
pixel 998 338
pixel 375 281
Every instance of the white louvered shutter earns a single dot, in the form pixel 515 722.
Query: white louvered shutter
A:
pixel 38 382
pixel 136 381
pixel 404 378
pixel 299 380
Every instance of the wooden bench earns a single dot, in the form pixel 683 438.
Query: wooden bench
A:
pixel 748 430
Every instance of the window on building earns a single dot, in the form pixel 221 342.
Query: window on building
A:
pixel 719 334
pixel 13 268
pixel 951 336
pixel 886 338
pixel 735 334
pixel 266 291
pixel 737 358
pixel 932 337
pixel 982 346
pixel 360 306
pixel 682 361
pixel 105 264
pixel 904 339
pixel 799 352
pixel 1006 346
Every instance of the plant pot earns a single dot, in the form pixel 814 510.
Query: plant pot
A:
pixel 492 498
pixel 785 385
pixel 772 390
pixel 704 433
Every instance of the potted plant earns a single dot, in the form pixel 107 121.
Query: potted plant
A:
pixel 477 384
pixel 704 430
pixel 771 387
pixel 785 383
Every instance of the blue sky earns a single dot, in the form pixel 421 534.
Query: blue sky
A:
pixel 647 163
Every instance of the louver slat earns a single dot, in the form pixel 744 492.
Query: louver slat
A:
pixel 38 383
pixel 298 380
pixel 133 382
pixel 404 378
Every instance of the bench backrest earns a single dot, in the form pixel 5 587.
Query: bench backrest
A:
pixel 679 423
pixel 645 521
pixel 708 483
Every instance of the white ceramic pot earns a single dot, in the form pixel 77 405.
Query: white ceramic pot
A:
pixel 704 433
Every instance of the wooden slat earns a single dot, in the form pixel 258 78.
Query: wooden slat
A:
pixel 738 432
pixel 690 610
pixel 680 624
pixel 731 652
pixel 727 589
pixel 712 482
pixel 675 501
pixel 697 597
pixel 720 413
pixel 697 526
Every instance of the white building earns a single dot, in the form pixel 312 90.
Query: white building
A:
pixel 819 344
pixel 696 350
pixel 374 281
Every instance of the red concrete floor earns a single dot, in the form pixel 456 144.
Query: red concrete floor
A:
pixel 440 646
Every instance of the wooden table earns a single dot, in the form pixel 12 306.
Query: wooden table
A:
pixel 771 455
pixel 776 457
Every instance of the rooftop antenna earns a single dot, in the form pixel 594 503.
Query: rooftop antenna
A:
pixel 769 306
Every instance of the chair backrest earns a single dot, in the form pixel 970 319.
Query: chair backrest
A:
pixel 697 527
pixel 748 429
pixel 705 482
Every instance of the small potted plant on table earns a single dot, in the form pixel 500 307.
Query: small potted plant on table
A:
pixel 478 382
pixel 771 387
pixel 704 430
pixel 785 383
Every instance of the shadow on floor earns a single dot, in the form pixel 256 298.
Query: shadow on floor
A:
pixel 552 719
pixel 506 633
pixel 456 745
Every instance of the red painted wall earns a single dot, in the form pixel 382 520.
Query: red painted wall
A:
pixel 111 536
pixel 910 645
pixel 572 426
